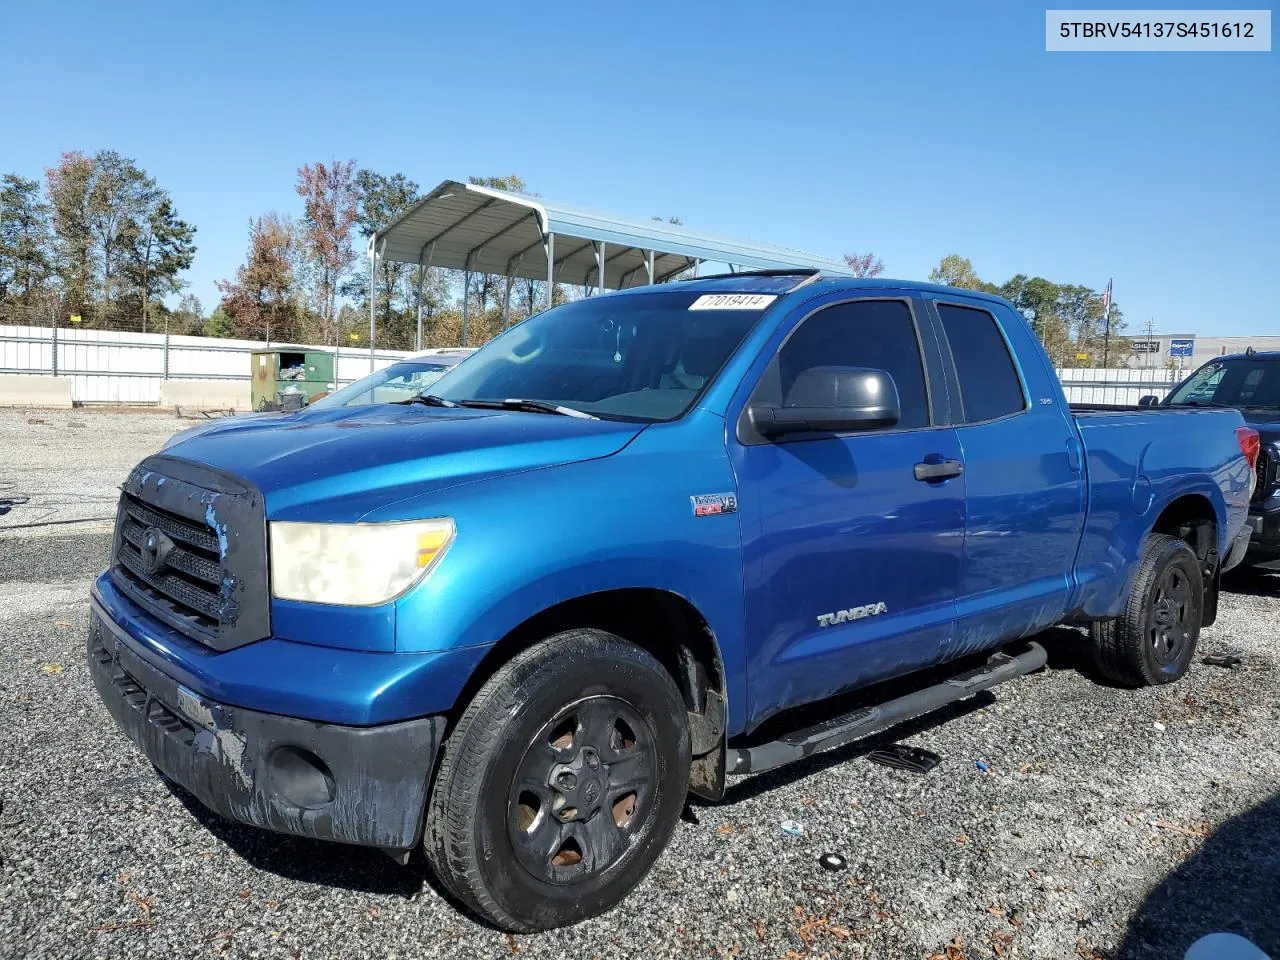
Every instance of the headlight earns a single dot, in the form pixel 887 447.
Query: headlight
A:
pixel 354 564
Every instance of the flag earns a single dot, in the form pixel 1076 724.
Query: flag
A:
pixel 1106 301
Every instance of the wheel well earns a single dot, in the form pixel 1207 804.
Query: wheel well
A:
pixel 1192 519
pixel 665 624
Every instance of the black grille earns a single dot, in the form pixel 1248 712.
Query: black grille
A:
pixel 188 582
pixel 1263 486
pixel 190 549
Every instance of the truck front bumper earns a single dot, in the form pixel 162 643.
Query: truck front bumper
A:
pixel 361 785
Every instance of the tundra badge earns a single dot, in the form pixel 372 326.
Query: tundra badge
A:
pixel 853 613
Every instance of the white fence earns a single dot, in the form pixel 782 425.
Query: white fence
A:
pixel 111 367
pixel 1116 386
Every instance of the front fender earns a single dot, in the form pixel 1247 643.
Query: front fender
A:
pixel 528 542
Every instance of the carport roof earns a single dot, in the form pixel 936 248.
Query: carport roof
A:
pixel 463 225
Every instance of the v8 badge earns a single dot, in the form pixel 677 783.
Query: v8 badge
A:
pixel 712 504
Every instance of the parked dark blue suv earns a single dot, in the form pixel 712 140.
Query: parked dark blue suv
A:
pixel 1250 382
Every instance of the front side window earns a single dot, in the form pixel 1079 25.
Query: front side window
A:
pixel 645 356
pixel 989 384
pixel 879 334
pixel 1231 383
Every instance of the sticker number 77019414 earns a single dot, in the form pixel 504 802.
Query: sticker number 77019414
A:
pixel 733 301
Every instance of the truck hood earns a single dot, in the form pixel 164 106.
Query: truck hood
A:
pixel 357 458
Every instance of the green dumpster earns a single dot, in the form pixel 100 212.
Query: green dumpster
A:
pixel 290 378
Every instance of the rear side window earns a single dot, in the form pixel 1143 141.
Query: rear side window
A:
pixel 862 333
pixel 989 385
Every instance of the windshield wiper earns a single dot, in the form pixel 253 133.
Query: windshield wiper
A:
pixel 528 406
pixel 428 400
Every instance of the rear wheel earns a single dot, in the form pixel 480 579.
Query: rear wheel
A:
pixel 1155 639
pixel 561 783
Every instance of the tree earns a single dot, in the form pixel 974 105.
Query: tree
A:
pixel 262 300
pixel 956 271
pixel 69 185
pixel 188 317
pixel 864 264
pixel 329 198
pixel 219 324
pixel 163 246
pixel 121 198
pixel 26 240
pixel 118 239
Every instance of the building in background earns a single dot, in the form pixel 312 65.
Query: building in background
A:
pixel 1165 349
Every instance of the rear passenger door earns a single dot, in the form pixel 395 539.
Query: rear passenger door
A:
pixel 1024 487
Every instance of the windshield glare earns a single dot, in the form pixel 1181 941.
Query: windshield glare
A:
pixel 400 381
pixel 1232 383
pixel 641 356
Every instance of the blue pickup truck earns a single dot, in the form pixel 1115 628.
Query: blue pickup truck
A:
pixel 636 545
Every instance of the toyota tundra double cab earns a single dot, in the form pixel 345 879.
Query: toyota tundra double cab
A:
pixel 637 545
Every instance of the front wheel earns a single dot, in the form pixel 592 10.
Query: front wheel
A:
pixel 1155 638
pixel 561 783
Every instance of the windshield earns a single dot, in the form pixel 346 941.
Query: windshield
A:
pixel 400 381
pixel 645 356
pixel 1231 383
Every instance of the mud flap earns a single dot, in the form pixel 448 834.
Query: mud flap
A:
pixel 1211 589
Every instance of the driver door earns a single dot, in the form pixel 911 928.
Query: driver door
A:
pixel 852 563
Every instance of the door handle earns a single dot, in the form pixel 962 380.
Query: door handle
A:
pixel 943 470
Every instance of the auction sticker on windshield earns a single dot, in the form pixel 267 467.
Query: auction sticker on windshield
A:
pixel 733 301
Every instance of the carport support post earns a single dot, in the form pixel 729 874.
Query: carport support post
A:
pixel 373 300
pixel 417 338
pixel 466 300
pixel 422 280
pixel 600 267
pixel 649 266
pixel 551 269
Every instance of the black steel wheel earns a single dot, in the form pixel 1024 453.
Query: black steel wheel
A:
pixel 1168 628
pixel 560 784
pixel 1155 639
pixel 584 787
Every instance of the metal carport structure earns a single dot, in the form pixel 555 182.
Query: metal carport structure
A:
pixel 475 229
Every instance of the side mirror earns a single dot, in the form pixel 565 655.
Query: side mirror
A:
pixel 831 400
pixel 1148 401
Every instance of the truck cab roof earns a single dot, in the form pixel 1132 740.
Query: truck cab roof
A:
pixel 786 281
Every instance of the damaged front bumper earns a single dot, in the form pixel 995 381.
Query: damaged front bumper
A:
pixel 361 785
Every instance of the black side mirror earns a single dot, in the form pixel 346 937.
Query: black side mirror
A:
pixel 1148 401
pixel 831 400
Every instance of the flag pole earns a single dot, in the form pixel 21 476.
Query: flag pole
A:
pixel 1106 325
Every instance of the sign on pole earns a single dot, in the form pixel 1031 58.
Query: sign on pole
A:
pixel 1182 348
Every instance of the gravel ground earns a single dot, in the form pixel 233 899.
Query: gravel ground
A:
pixel 1111 824
pixel 60 465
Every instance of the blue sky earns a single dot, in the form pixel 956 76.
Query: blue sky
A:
pixel 911 130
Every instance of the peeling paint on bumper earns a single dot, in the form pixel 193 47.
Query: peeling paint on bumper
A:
pixel 368 787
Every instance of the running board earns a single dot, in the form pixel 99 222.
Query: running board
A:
pixel 865 721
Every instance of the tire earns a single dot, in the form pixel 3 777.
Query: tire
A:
pixel 561 783
pixel 1154 640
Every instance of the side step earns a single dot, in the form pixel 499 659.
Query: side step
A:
pixel 865 721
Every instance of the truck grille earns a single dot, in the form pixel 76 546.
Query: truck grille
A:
pixel 188 577
pixel 190 549
pixel 1263 487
